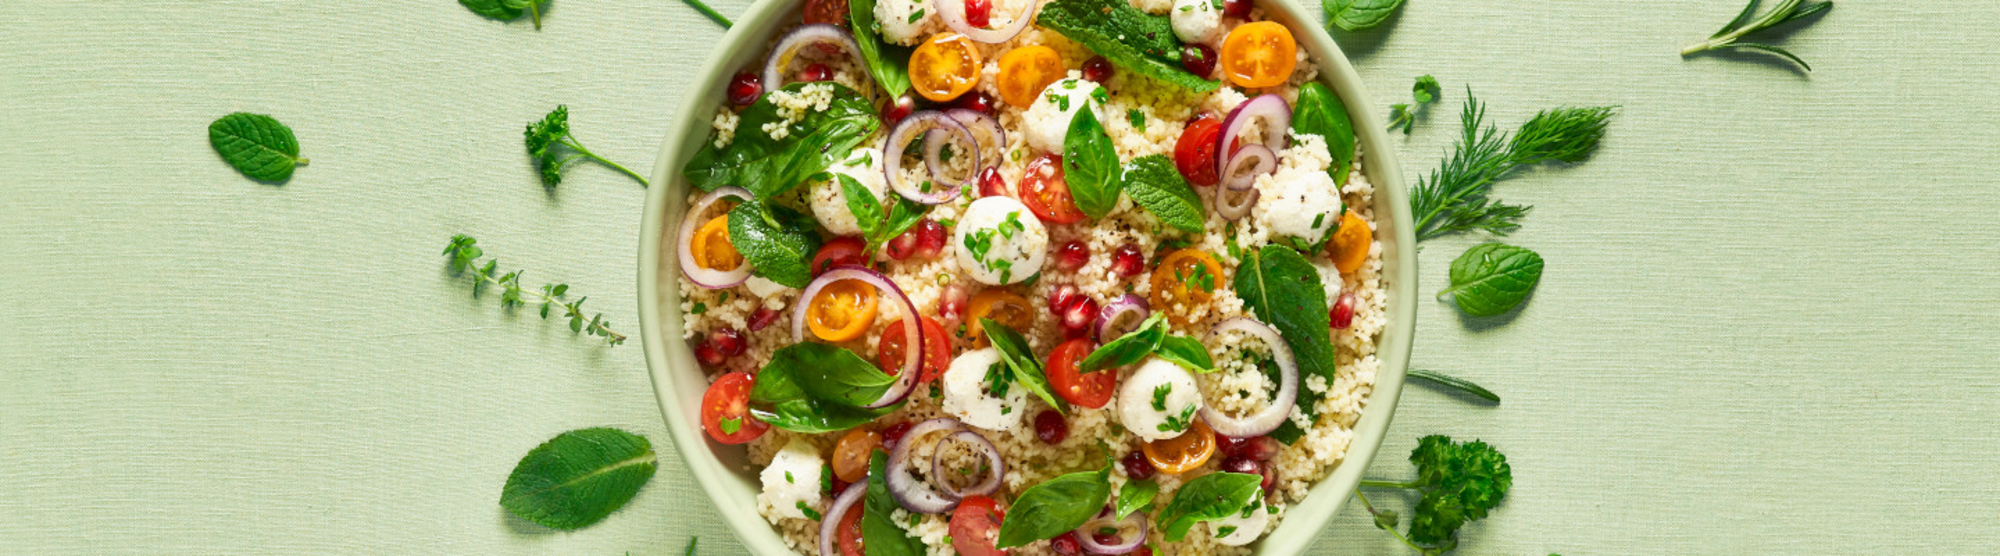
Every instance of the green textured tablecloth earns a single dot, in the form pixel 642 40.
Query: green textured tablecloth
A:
pixel 1768 322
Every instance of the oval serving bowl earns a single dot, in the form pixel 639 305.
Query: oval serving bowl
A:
pixel 724 472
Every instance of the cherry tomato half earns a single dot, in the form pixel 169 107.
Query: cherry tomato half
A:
pixel 1047 194
pixel 1194 153
pixel 944 66
pixel 1025 71
pixel 1259 54
pixel 725 410
pixel 1185 278
pixel 850 454
pixel 848 533
pixel 1180 454
pixel 937 350
pixel 839 251
pixel 711 247
pixel 975 527
pixel 1004 306
pixel 1091 390
pixel 1349 248
pixel 842 310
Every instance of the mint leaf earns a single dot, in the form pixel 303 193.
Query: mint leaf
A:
pixel 1090 165
pixel 879 534
pixel 887 63
pixel 1135 40
pixel 1056 506
pixel 1209 497
pixel 1155 184
pixel 778 241
pixel 578 477
pixel 1285 291
pixel 1319 112
pixel 256 144
pixel 1493 278
pixel 768 166
pixel 1357 15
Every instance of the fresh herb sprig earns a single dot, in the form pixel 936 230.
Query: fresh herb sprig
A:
pixel 544 138
pixel 1455 383
pixel 465 254
pixel 1457 483
pixel 1746 23
pixel 1424 92
pixel 1454 198
pixel 507 10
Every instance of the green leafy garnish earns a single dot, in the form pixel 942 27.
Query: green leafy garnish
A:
pixel 1457 483
pixel 691 543
pixel 1181 422
pixel 1136 496
pixel 1131 348
pixel 779 242
pixel 1027 369
pixel 1187 352
pixel 1319 112
pixel 877 228
pixel 578 477
pixel 889 64
pixel 767 165
pixel 1358 15
pixel 1154 183
pixel 1454 198
pixel 814 388
pixel 1209 497
pixel 507 10
pixel 1424 92
pixel 1455 383
pixel 1056 506
pixel 1285 291
pixel 257 145
pixel 553 131
pixel 1132 39
pixel 1090 165
pixel 1490 279
pixel 879 533
pixel 1732 34
pixel 465 253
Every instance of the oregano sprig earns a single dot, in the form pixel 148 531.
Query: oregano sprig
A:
pixel 1745 23
pixel 465 254
pixel 548 137
pixel 1424 92
pixel 1454 198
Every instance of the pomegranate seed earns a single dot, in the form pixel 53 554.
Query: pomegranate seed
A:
pixel 1066 544
pixel 1076 320
pixel 815 73
pixel 1270 473
pixel 840 486
pixel 1061 298
pixel 708 355
pixel 975 101
pixel 1342 314
pixel 1072 256
pixel 1127 261
pixel 991 184
pixel 1143 550
pixel 930 238
pixel 951 304
pixel 894 433
pixel 903 246
pixel 1136 466
pixel 978 12
pixel 727 341
pixel 763 317
pixel 898 110
pixel 1050 427
pixel 1257 448
pixel 1097 69
pixel 1240 465
pixel 1239 9
pixel 1104 539
pixel 1199 59
pixel 744 89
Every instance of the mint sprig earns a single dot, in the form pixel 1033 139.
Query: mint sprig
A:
pixel 465 253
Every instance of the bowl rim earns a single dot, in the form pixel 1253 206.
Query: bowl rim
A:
pixel 738 507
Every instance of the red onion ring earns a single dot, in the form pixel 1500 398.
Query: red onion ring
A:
pixel 953 14
pixel 1241 171
pixel 706 277
pixel 1277 118
pixel 996 137
pixel 915 495
pixel 986 486
pixel 1234 205
pixel 906 379
pixel 934 143
pixel 1109 323
pixel 806 35
pixel 1269 418
pixel 926 121
pixel 830 526
pixel 1086 537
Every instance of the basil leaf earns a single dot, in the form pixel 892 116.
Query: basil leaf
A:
pixel 1209 497
pixel 815 388
pixel 813 416
pixel 778 241
pixel 1027 370
pixel 879 534
pixel 1090 165
pixel 495 9
pixel 256 145
pixel 1155 183
pixel 768 166
pixel 1136 496
pixel 1285 291
pixel 1135 40
pixel 1493 278
pixel 1187 352
pixel 578 477
pixel 1319 112
pixel 876 228
pixel 1357 15
pixel 1131 348
pixel 832 373
pixel 887 63
pixel 1056 506
pixel 867 210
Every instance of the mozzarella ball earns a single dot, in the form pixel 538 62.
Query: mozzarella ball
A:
pixel 998 241
pixel 898 26
pixel 1158 392
pixel 829 201
pixel 1047 121
pixel 969 395
pixel 1195 20
pixel 1242 528
pixel 792 477
pixel 1311 201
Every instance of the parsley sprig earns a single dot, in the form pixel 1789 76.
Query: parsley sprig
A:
pixel 1457 483
pixel 1746 23
pixel 547 139
pixel 1424 92
pixel 1454 198
pixel 465 253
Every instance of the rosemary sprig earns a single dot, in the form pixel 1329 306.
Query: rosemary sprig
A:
pixel 1730 36
pixel 1454 198
pixel 465 254
pixel 1455 383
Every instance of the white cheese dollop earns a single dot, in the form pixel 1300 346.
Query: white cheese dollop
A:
pixel 792 477
pixel 1047 121
pixel 998 241
pixel 829 202
pixel 1300 200
pixel 1177 393
pixel 905 21
pixel 1240 529
pixel 969 397
pixel 1195 20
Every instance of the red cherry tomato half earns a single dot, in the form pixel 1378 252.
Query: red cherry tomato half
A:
pixel 1091 390
pixel 1194 153
pixel 839 251
pixel 847 534
pixel 725 410
pixel 937 350
pixel 1047 194
pixel 975 527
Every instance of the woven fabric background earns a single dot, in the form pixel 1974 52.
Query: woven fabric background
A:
pixel 1770 320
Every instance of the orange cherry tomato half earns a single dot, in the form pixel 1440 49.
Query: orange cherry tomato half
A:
pixel 944 66
pixel 1004 306
pixel 1184 279
pixel 1047 194
pixel 725 410
pixel 1025 71
pixel 850 454
pixel 711 248
pixel 1259 54
pixel 975 527
pixel 1349 248
pixel 1091 390
pixel 1183 453
pixel 842 310
pixel 847 534
pixel 937 350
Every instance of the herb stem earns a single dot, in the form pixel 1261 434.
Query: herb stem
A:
pixel 569 309
pixel 1455 383
pixel 535 13
pixel 710 12
pixel 1399 534
pixel 571 142
pixel 1378 483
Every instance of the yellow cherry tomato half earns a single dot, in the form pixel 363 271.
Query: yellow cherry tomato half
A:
pixel 1259 54
pixel 711 248
pixel 1349 248
pixel 1184 280
pixel 944 66
pixel 842 310
pixel 1183 453
pixel 1025 71
pixel 1004 306
pixel 850 454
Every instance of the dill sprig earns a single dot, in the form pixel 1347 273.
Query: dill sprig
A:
pixel 1454 198
pixel 465 254
pixel 1731 35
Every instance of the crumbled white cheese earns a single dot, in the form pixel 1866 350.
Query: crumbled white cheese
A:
pixel 792 479
pixel 1047 121
pixel 1239 529
pixel 1195 20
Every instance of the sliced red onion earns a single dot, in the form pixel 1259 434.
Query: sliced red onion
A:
pixel 708 277
pixel 913 494
pixel 1118 317
pixel 926 122
pixel 906 379
pixel 1087 538
pixel 934 144
pixel 1277 118
pixel 953 14
pixel 806 35
pixel 1241 171
pixel 988 485
pixel 830 526
pixel 1234 205
pixel 1268 419
pixel 994 140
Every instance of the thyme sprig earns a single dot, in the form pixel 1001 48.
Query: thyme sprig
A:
pixel 465 254
pixel 1745 23
pixel 1454 198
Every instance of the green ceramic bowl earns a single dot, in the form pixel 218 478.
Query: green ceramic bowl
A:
pixel 723 471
